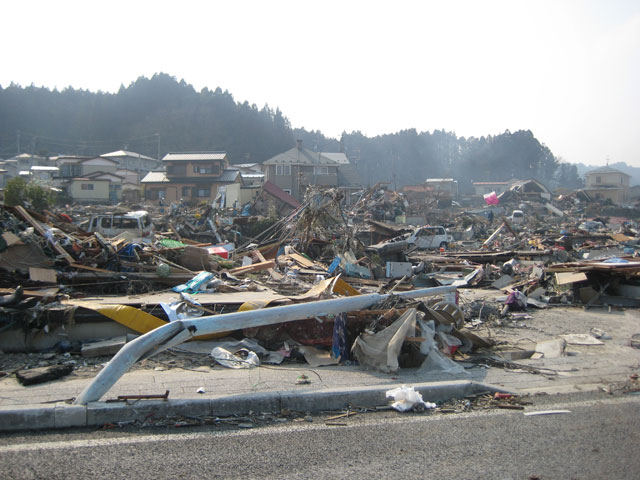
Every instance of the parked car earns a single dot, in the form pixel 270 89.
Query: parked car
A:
pixel 112 224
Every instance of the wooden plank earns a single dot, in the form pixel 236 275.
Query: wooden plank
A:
pixel 256 267
pixel 42 231
pixel 272 273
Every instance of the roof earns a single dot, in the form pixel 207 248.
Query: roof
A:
pixel 348 175
pixel 280 194
pixel 491 183
pixel 245 165
pixel 85 179
pixel 155 177
pixel 440 180
pixel 229 175
pixel 98 158
pixel 338 157
pixel 45 169
pixel 103 174
pixel 194 156
pixel 124 153
pixel 300 156
pixel 607 169
pixel 252 175
pixel 522 184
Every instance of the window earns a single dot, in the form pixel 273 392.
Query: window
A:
pixel 87 186
pixel 321 170
pixel 207 169
pixel 285 190
pixel 129 223
pixel 186 191
pixel 176 170
pixel 203 192
pixel 105 222
pixel 598 179
pixel 283 169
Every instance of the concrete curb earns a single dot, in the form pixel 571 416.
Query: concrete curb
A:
pixel 62 415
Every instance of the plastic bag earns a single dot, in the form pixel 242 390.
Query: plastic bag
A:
pixel 406 399
pixel 227 359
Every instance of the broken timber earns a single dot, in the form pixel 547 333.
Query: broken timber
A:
pixel 177 332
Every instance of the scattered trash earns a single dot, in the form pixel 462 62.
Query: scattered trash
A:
pixel 407 399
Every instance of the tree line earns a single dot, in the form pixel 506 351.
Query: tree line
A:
pixel 153 116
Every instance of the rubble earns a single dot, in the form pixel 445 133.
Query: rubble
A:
pixel 64 288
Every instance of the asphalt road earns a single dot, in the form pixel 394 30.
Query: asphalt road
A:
pixel 598 439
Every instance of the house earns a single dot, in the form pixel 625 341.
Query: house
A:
pixel 443 187
pixel 530 189
pixel 606 183
pixel 129 176
pixel 25 161
pixel 10 167
pixel 73 166
pixel 87 190
pixel 4 177
pixel 191 176
pixel 272 201
pixel 43 174
pixel 294 170
pixel 251 173
pixel 115 184
pixel 133 161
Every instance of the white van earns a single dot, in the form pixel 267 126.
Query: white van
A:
pixel 517 217
pixel 426 238
pixel 112 224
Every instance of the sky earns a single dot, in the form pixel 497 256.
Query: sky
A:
pixel 567 70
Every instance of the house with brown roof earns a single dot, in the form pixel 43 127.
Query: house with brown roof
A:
pixel 190 176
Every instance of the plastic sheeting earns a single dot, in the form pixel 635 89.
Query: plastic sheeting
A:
pixel 381 350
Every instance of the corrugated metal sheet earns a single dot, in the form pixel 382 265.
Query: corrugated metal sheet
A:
pixel 228 176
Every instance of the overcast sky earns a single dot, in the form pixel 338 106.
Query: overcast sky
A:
pixel 567 70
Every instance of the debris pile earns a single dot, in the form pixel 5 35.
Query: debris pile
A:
pixel 127 272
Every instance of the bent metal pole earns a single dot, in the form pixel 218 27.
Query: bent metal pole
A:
pixel 174 333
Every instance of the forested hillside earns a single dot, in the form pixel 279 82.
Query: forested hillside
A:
pixel 155 115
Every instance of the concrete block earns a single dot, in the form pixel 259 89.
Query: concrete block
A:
pixel 27 417
pixel 66 415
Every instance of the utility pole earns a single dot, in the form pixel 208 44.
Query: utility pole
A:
pixel 158 154
pixel 18 141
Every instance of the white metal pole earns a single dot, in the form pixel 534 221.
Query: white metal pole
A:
pixel 145 344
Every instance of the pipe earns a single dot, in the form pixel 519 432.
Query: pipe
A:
pixel 144 345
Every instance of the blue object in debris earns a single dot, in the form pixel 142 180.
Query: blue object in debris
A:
pixel 616 260
pixel 193 285
pixel 335 264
